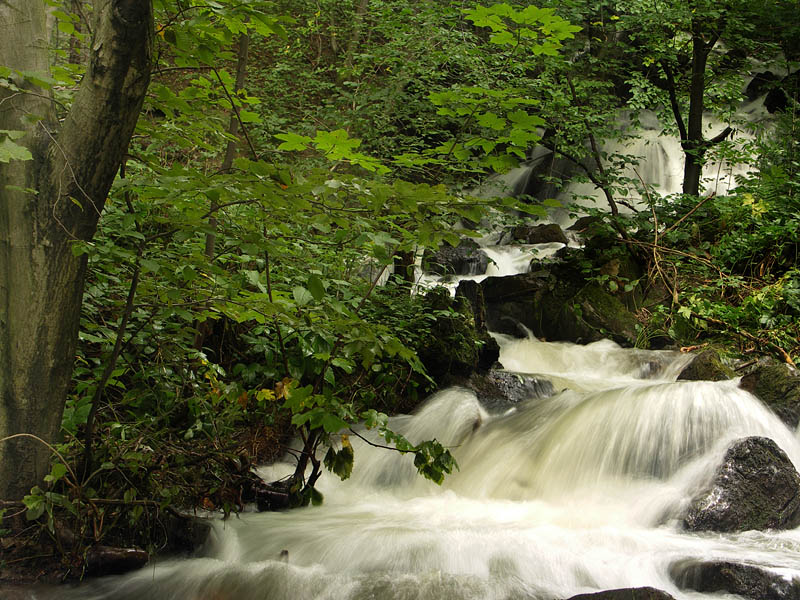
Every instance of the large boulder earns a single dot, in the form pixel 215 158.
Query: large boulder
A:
pixel 539 234
pixel 745 580
pixel 556 303
pixel 501 390
pixel 454 347
pixel 777 386
pixel 488 348
pixel 642 593
pixel 465 259
pixel 755 487
pixel 706 366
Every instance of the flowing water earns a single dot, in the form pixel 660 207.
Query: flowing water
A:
pixel 555 496
pixel 572 492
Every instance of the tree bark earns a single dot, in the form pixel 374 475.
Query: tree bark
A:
pixel 48 204
pixel 694 144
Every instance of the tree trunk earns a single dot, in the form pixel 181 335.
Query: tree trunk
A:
pixel 694 145
pixel 204 328
pixel 361 7
pixel 49 203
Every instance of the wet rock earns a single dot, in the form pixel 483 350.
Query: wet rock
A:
pixel 584 224
pixel 642 593
pixel 777 386
pixel 778 98
pixel 555 302
pixel 706 366
pixel 761 84
pixel 453 348
pixel 489 350
pixel 465 259
pixel 755 487
pixel 539 234
pixel 745 580
pixel 107 560
pixel 185 533
pixel 500 390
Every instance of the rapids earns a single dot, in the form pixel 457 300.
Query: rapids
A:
pixel 572 493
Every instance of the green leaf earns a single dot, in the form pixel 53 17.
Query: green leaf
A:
pixel 316 287
pixel 293 142
pixel 340 463
pixel 10 151
pixel 333 424
pixel 56 472
pixel 301 295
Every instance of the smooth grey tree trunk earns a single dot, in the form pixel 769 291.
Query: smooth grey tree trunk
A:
pixel 50 203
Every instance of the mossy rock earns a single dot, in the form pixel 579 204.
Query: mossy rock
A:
pixel 453 348
pixel 707 366
pixel 777 386
pixel 555 302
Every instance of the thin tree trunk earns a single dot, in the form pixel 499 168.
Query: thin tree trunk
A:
pixel 204 328
pixel 355 37
pixel 50 203
pixel 694 144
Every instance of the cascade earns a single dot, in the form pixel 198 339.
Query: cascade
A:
pixel 573 493
pixel 658 158
pixel 563 495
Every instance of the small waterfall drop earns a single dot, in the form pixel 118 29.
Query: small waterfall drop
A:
pixel 577 492
pixel 573 493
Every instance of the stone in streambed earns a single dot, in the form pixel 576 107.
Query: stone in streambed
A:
pixel 539 234
pixel 755 487
pixel 706 366
pixel 465 259
pixel 777 386
pixel 642 593
pixel 107 560
pixel 745 580
pixel 501 390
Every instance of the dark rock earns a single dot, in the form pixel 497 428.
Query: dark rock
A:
pixel 555 303
pixel 706 366
pixel 500 390
pixel 777 386
pixel 465 259
pixel 777 98
pixel 539 234
pixel 106 560
pixel 746 580
pixel 642 593
pixel 454 346
pixel 185 533
pixel 761 84
pixel 489 350
pixel 756 487
pixel 584 224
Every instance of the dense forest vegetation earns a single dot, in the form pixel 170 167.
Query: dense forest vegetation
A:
pixel 250 279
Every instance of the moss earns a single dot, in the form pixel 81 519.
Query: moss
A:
pixel 606 315
pixel 451 348
pixel 777 386
pixel 707 366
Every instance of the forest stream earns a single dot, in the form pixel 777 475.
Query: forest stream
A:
pixel 572 493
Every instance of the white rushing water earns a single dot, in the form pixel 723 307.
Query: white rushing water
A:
pixel 578 492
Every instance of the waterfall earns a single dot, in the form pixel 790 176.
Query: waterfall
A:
pixel 577 492
pixel 655 157
pixel 573 493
